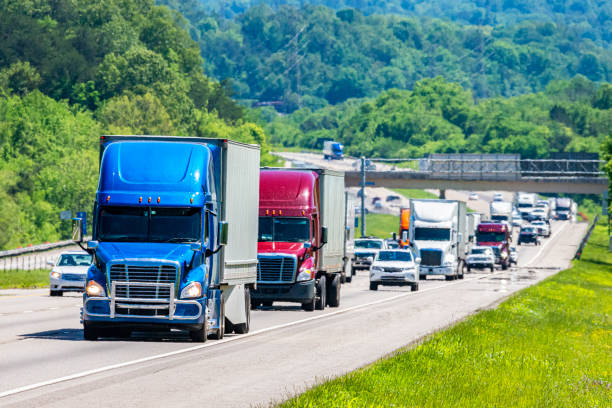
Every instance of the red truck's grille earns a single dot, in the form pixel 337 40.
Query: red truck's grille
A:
pixel 276 269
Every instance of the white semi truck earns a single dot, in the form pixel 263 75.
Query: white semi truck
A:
pixel 501 211
pixel 438 232
pixel 525 203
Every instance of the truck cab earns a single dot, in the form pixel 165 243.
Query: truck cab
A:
pixel 164 253
pixel 333 150
pixel 404 229
pixel 497 236
pixel 302 238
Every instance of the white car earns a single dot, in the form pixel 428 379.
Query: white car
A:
pixel 513 255
pixel 69 273
pixel 473 196
pixel 517 221
pixel 481 257
pixel 366 250
pixel 542 227
pixel 498 197
pixel 395 267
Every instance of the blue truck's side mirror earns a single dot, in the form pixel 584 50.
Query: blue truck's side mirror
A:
pixel 196 246
pixel 92 245
pixel 223 232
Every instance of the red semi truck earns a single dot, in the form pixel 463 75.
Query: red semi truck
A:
pixel 497 236
pixel 302 237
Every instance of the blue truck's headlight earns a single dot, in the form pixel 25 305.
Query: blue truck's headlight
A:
pixel 191 291
pixel 94 289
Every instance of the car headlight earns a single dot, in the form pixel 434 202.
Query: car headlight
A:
pixel 94 289
pixel 191 291
pixel 370 259
pixel 304 275
pixel 56 275
pixel 504 255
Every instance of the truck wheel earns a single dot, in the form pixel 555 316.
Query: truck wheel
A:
pixel 414 287
pixel 244 328
pixel 469 269
pixel 422 277
pixel 460 271
pixel 449 277
pixel 333 291
pixel 504 266
pixel 373 286
pixel 199 335
pixel 322 292
pixel 310 305
pixel 90 333
pixel 492 268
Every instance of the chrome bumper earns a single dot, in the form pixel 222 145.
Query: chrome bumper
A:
pixel 143 304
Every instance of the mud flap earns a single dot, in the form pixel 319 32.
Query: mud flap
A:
pixel 235 307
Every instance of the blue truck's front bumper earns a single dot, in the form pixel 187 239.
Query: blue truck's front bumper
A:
pixel 175 313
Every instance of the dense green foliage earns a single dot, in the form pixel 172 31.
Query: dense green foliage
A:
pixel 22 279
pixel 548 346
pixel 438 116
pixel 71 70
pixel 590 19
pixel 314 55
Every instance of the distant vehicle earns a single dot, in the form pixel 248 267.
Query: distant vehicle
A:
pixel 528 235
pixel 375 200
pixel 365 250
pixel 525 203
pixel 404 228
pixel 542 227
pixel 473 219
pixel 481 257
pixel 369 165
pixel 378 205
pixel 392 197
pixel 497 236
pixel 69 273
pixel 498 197
pixel 473 196
pixel 333 150
pixel 395 268
pixel 538 214
pixel 563 208
pixel 392 244
pixel 513 255
pixel 358 210
pixel 517 221
pixel 501 211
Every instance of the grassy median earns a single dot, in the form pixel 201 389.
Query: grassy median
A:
pixel 37 278
pixel 547 346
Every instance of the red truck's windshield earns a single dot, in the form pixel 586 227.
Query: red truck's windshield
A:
pixel 490 236
pixel 284 229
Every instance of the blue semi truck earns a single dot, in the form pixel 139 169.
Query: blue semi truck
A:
pixel 174 237
pixel 333 150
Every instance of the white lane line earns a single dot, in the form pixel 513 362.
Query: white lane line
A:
pixel 537 255
pixel 227 340
pixel 28 311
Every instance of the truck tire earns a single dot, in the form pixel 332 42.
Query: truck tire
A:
pixel 492 268
pixel 333 291
pixel 504 266
pixel 322 292
pixel 373 286
pixel 90 333
pixel 310 305
pixel 220 332
pixel 244 328
pixel 199 335
pixel 460 270
pixel 469 269
pixel 414 287
pixel 348 273
pixel 422 277
pixel 449 277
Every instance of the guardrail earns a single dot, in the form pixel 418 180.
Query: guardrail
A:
pixel 34 249
pixel 586 237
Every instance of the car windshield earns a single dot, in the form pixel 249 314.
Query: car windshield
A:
pixel 539 223
pixel 284 229
pixel 490 236
pixel 432 234
pixel 367 243
pixel 392 244
pixel 476 251
pixel 75 260
pixel 527 230
pixel 149 224
pixel 404 256
pixel 525 205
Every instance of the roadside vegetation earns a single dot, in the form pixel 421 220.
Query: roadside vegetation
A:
pixel 379 225
pixel 547 346
pixel 415 193
pixel 21 279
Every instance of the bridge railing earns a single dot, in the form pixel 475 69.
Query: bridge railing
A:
pixel 499 168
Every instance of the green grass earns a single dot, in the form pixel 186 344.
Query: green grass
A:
pixel 547 346
pixel 38 278
pixel 414 193
pixel 379 225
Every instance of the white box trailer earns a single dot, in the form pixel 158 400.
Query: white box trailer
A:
pixel 332 217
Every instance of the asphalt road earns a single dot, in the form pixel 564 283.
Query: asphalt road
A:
pixel 45 362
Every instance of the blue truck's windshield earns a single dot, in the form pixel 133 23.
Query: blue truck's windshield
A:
pixel 149 224
pixel 279 229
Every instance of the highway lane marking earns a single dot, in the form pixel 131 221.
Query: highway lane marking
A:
pixel 243 336
pixel 537 255
pixel 228 340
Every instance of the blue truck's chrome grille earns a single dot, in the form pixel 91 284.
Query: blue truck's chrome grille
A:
pixel 431 257
pixel 276 269
pixel 74 276
pixel 146 274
